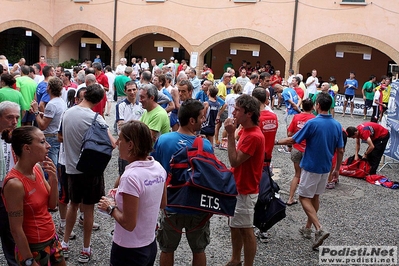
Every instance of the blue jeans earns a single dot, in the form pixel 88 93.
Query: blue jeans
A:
pixel 53 152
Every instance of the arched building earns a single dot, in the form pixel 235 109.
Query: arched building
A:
pixel 334 37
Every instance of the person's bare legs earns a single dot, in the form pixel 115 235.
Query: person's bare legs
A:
pixel 70 220
pixel 210 138
pixel 344 108
pixel 217 129
pixel 87 223
pixel 62 208
pixel 236 244
pixel 166 258
pixel 108 109
pixel 249 242
pixel 199 259
pixel 311 207
pixel 175 127
pixel 294 183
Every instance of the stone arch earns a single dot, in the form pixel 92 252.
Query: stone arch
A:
pixel 346 37
pixel 43 35
pixel 129 38
pixel 61 35
pixel 219 37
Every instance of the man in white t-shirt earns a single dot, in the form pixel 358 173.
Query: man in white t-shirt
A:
pixel 85 189
pixel 250 86
pixel 144 65
pixel 312 83
pixel 120 69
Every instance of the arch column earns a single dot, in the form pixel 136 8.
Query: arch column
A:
pixel 53 55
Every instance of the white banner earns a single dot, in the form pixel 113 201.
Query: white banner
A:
pixel 392 149
pixel 359 106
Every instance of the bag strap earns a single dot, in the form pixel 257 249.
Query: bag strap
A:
pixel 95 118
pixel 199 144
pixel 270 179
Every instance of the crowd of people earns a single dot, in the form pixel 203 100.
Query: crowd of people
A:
pixel 160 108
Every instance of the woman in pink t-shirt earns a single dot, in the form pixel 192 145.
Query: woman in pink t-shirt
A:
pixel 137 199
pixel 27 196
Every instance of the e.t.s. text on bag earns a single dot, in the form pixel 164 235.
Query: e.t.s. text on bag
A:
pixel 198 180
pixel 96 150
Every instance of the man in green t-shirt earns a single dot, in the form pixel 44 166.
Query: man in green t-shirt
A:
pixel 120 81
pixel 154 116
pixel 324 89
pixel 368 94
pixel 27 87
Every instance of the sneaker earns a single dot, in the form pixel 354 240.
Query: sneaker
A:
pixel 217 144
pixel 61 231
pixel 306 232
pixel 364 117
pixel 96 226
pixel 262 236
pixel 319 237
pixel 84 257
pixel 223 145
pixel 330 185
pixel 283 149
pixel 65 251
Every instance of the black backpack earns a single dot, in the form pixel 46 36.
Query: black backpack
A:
pixel 96 150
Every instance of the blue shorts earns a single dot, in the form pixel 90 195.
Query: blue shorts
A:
pixel 28 117
pixel 173 119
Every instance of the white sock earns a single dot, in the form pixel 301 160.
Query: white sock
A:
pixel 62 222
pixel 64 244
pixel 87 250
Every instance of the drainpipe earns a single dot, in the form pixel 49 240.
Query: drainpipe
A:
pixel 114 35
pixel 293 34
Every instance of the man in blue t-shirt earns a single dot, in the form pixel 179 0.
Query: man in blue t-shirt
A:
pixel 323 137
pixel 191 116
pixel 291 99
pixel 350 87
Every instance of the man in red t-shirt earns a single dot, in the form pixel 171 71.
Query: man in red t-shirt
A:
pixel 376 137
pixel 298 149
pixel 247 162
pixel 101 78
pixel 99 107
pixel 298 90
pixel 42 64
pixel 268 122
pixel 274 80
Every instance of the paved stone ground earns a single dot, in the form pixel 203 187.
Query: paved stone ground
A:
pixel 356 213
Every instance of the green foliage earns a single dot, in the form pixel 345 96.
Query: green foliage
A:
pixel 14 50
pixel 70 64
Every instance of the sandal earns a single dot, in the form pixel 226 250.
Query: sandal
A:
pixel 292 203
pixel 234 264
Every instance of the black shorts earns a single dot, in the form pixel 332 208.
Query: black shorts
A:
pixel 223 116
pixel 63 194
pixel 349 97
pixel 143 256
pixel 208 131
pixel 368 104
pixel 86 189
pixel 122 165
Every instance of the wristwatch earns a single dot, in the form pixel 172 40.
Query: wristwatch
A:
pixel 110 209
pixel 36 113
pixel 28 262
